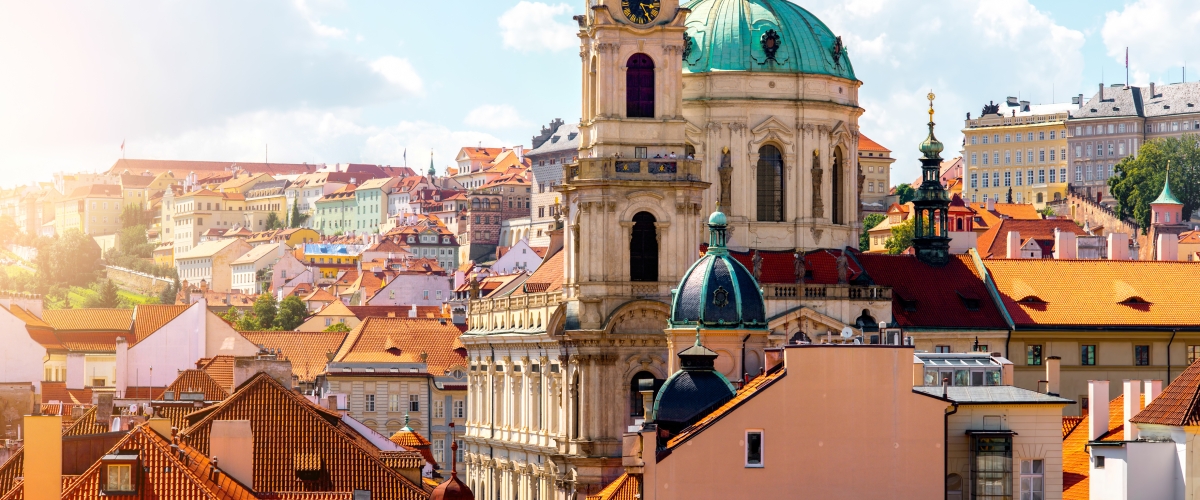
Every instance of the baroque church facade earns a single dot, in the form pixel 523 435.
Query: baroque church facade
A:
pixel 748 107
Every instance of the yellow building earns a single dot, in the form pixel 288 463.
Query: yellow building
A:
pixel 1019 148
pixel 94 209
pixel 875 164
pixel 268 196
pixel 331 258
pixel 292 236
pixel 242 182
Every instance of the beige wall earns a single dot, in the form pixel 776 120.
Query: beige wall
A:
pixel 1038 436
pixel 1006 126
pixel 829 431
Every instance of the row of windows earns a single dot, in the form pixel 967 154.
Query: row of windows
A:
pixel 1055 155
pixel 1028 137
pixel 1114 149
pixel 1174 126
pixel 1087 354
pixel 1056 175
pixel 1090 172
pixel 555 161
pixel 1117 128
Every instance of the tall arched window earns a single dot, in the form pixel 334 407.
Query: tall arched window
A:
pixel 836 181
pixel 643 249
pixel 770 184
pixel 636 408
pixel 639 87
pixel 575 406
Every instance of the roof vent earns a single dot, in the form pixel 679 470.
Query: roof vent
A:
pixel 1031 299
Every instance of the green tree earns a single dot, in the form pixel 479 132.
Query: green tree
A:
pixel 1139 179
pixel 107 296
pixel 1047 212
pixel 901 238
pixel 247 322
pixel 273 221
pixel 291 313
pixel 864 239
pixel 73 259
pixel 337 327
pixel 134 215
pixel 231 315
pixel 297 218
pixel 8 229
pixel 265 310
pixel 167 296
pixel 906 193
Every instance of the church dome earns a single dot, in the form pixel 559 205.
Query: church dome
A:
pixel 718 291
pixel 693 391
pixel 774 36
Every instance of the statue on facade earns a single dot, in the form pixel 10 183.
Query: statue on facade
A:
pixel 474 287
pixel 843 267
pixel 1009 199
pixel 725 172
pixel 798 266
pixel 862 178
pixel 757 263
pixel 818 206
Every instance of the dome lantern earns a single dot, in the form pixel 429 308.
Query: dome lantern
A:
pixel 718 291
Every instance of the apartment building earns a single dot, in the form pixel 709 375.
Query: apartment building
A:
pixel 92 209
pixel 1016 149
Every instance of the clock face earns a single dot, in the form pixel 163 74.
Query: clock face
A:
pixel 640 11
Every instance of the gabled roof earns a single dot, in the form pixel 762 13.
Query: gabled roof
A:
pixel 1179 403
pixel 363 312
pixel 548 277
pixel 624 487
pixel 752 388
pixel 96 191
pixel 220 368
pixel 288 430
pixel 89 320
pixel 180 168
pixel 404 340
pixel 1133 294
pixel 147 319
pixel 57 391
pixel 258 252
pixel 207 249
pixel 1021 211
pixel 866 144
pixel 308 352
pixel 320 295
pixel 195 380
pixel 1077 460
pixel 993 243
pixel 924 296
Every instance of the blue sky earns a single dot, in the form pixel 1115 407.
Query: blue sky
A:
pixel 334 81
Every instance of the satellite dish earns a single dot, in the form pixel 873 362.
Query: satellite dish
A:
pixel 847 332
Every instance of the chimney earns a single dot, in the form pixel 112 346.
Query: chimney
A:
pixel 1132 405
pixel 1065 245
pixel 1152 390
pixel 162 426
pixel 1080 98
pixel 1167 248
pixel 1014 244
pixel 1075 100
pixel 1006 372
pixel 1118 246
pixel 1011 101
pixel 1152 90
pixel 43 470
pixel 1101 92
pixel 1097 409
pixel 412 313
pixel 331 402
pixel 991 204
pixel 1052 377
pixel 122 368
pixel 233 442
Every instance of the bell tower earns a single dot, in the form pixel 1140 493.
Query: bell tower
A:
pixel 932 203
pixel 634 197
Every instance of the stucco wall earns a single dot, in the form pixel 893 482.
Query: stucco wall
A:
pixel 21 357
pixel 1038 436
pixel 410 290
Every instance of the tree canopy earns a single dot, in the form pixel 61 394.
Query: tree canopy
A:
pixel 906 193
pixel 291 313
pixel 265 310
pixel 1138 180
pixel 72 259
pixel 901 239
pixel 864 239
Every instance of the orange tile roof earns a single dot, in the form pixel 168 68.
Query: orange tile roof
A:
pixel 1020 211
pixel 866 144
pixel 12 469
pixel 319 295
pixel 284 424
pixel 993 243
pixel 402 459
pixel 362 312
pixel 548 277
pixel 1189 237
pixel 1178 404
pixel 152 393
pixel 86 424
pixel 220 368
pixel 187 479
pixel 147 319
pixel 196 380
pixel 751 389
pixel 625 487
pixel 404 340
pixel 91 320
pixel 1045 292
pixel 180 168
pixel 308 352
pixel 1076 459
pixel 57 391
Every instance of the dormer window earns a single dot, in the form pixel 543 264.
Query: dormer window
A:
pixel 1031 300
pixel 1135 301
pixel 119 473
pixel 969 300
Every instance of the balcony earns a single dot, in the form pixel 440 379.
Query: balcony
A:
pixel 825 292
pixel 646 169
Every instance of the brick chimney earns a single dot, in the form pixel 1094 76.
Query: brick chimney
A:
pixel 1097 409
pixel 1052 375
pixel 232 441
pixel 1014 245
pixel 1065 246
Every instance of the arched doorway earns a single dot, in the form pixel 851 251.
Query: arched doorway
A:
pixel 639 87
pixel 770 184
pixel 643 248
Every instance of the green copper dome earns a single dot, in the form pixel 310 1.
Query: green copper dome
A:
pixel 1166 197
pixel 761 35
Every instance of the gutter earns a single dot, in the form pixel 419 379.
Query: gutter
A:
pixel 946 449
pixel 995 293
pixel 1169 342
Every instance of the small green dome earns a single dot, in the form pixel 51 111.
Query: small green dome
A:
pixel 717 219
pixel 775 36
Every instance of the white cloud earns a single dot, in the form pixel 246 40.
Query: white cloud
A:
pixel 1160 35
pixel 314 23
pixel 536 26
pixel 495 117
pixel 399 72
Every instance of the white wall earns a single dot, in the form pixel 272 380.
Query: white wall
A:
pixel 194 334
pixel 21 358
pixel 519 257
pixel 408 289
pixel 1109 483
pixel 1154 471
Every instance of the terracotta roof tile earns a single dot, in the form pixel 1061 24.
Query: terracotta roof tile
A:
pixel 308 352
pixel 1076 459
pixel 87 424
pixel 363 312
pixel 143 392
pixel 1178 404
pixel 12 469
pixel 402 459
pixel 147 319
pixel 196 380
pixel 91 320
pixel 404 340
pixel 285 424
pixel 993 243
pixel 626 487
pixel 1039 292
pixel 57 391
pixel 548 277
pixel 220 368
pixel 866 144
pixel 925 296
pixel 752 388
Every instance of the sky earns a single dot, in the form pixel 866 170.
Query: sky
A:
pixel 331 81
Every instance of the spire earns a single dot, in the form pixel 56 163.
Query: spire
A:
pixel 931 148
pixel 1166 197
pixel 432 170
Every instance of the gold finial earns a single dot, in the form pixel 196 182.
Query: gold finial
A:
pixel 931 97
pixel 725 150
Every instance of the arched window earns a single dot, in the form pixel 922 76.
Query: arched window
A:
pixel 770 184
pixel 475 203
pixel 836 180
pixel 954 487
pixel 639 87
pixel 575 407
pixel 866 321
pixel 643 249
pixel 636 408
pixel 960 223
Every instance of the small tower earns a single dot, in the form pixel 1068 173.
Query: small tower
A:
pixel 1167 209
pixel 930 240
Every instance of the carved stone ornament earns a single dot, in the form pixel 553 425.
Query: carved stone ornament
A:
pixel 862 178
pixel 725 171
pixel 770 44
pixel 843 268
pixel 798 267
pixel 757 262
pixel 838 51
pixel 687 46
pixel 720 297
pixel 817 236
pixel 818 205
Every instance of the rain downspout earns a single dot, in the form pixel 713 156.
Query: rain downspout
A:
pixel 946 448
pixel 1169 342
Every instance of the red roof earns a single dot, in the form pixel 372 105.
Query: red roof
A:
pixel 1179 403
pixel 924 296
pixel 866 144
pixel 779 266
pixel 180 168
pixel 993 243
